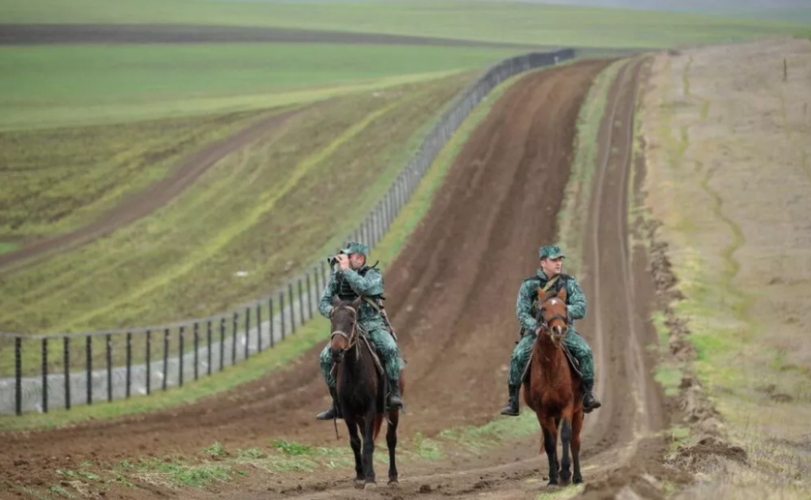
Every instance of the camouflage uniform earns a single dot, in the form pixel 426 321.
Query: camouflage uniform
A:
pixel 348 284
pixel 526 308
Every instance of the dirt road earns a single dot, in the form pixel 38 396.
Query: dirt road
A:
pixel 452 297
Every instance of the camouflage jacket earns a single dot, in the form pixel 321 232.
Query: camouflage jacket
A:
pixel 348 284
pixel 526 306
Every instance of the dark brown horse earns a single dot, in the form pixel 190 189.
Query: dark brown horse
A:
pixel 553 389
pixel 361 392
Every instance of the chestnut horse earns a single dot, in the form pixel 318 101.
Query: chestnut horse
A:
pixel 361 391
pixel 553 389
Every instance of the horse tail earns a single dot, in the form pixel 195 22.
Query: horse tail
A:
pixel 378 424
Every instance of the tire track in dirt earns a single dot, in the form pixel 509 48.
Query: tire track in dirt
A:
pixel 452 296
pixel 145 202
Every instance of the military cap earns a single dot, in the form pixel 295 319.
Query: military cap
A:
pixel 353 247
pixel 551 252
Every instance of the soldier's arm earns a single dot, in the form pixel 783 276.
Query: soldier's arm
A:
pixel 576 300
pixel 369 285
pixel 325 302
pixel 523 306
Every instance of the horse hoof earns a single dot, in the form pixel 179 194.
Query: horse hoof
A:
pixel 577 480
pixel 369 486
pixel 552 483
pixel 359 483
pixel 393 483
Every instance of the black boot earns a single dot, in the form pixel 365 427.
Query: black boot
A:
pixel 511 408
pixel 395 400
pixel 589 401
pixel 334 411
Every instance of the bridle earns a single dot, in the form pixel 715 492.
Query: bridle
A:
pixel 544 324
pixel 351 337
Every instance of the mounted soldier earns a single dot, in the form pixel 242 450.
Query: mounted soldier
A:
pixel 549 278
pixel 354 279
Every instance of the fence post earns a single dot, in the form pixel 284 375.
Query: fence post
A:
pixel 109 353
pixel 196 349
pixel 148 362
pixel 222 343
pixel 309 297
pixel 292 308
pixel 45 374
pixel 247 331
pixel 235 319
pixel 301 303
pixel 281 312
pixel 129 364
pixel 165 358
pixel 89 367
pixel 270 321
pixel 208 348
pixel 18 375
pixel 66 355
pixel 181 349
pixel 258 327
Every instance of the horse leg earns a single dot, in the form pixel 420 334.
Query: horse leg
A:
pixel 577 426
pixel 550 433
pixel 354 441
pixel 369 449
pixel 566 439
pixel 391 442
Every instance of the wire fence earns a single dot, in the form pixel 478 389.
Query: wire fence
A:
pixel 39 373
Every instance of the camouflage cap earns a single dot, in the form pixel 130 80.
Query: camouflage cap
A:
pixel 353 247
pixel 551 252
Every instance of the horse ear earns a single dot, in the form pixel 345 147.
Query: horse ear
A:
pixel 356 302
pixel 562 294
pixel 336 301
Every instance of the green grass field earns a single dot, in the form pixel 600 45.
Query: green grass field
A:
pixel 47 86
pixel 266 210
pixel 488 21
pixel 58 180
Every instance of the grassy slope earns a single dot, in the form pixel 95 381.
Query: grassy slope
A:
pixel 48 86
pixel 266 210
pixel 528 23
pixel 57 180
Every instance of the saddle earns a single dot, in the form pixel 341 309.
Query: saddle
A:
pixel 573 364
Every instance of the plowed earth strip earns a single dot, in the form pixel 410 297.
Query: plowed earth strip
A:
pixel 147 201
pixel 452 295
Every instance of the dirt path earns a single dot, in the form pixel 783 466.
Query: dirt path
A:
pixel 452 297
pixel 145 202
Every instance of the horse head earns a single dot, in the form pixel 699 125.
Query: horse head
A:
pixel 344 320
pixel 553 316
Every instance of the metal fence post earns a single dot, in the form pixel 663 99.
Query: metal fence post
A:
pixel 247 331
pixel 89 367
pixel 165 358
pixel 148 362
pixel 301 303
pixel 196 348
pixel 235 319
pixel 281 312
pixel 129 364
pixel 45 374
pixel 109 353
pixel 259 327
pixel 309 297
pixel 292 308
pixel 181 351
pixel 270 321
pixel 222 343
pixel 18 375
pixel 66 356
pixel 208 348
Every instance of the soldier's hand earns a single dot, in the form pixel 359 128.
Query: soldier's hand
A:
pixel 343 261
